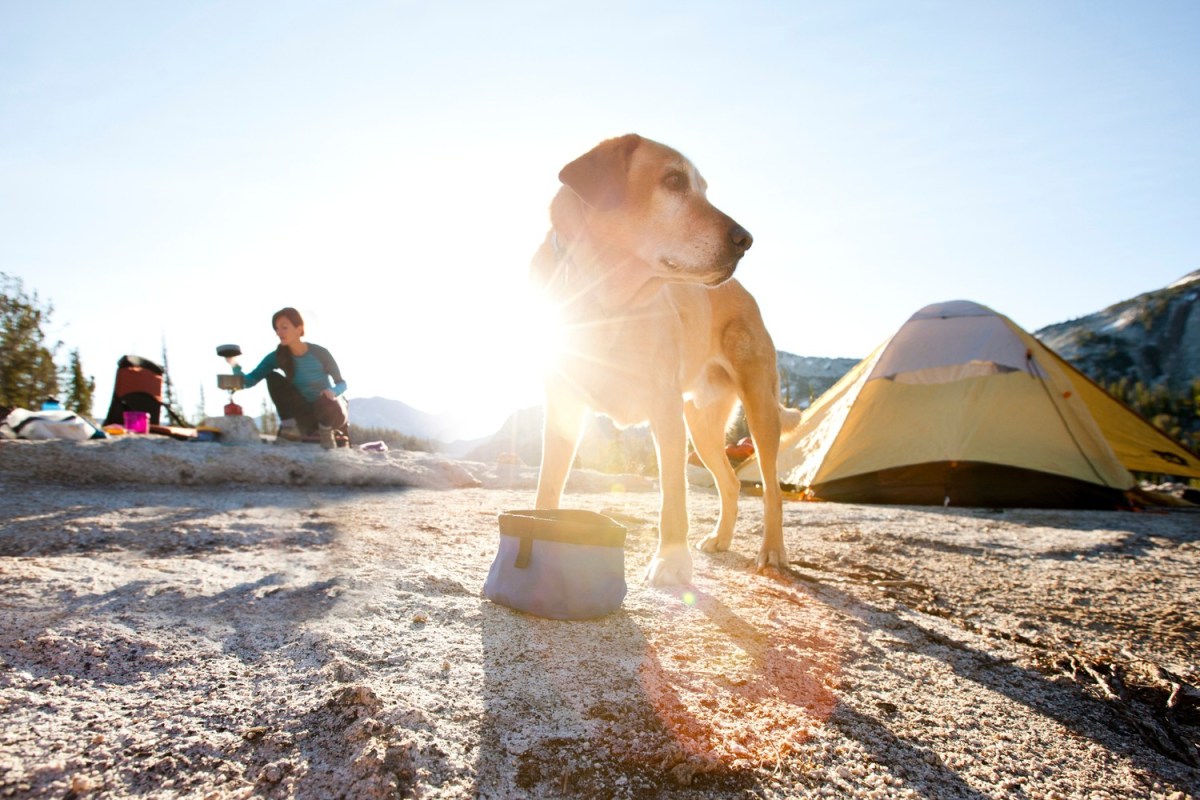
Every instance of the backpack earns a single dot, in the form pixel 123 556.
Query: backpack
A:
pixel 139 387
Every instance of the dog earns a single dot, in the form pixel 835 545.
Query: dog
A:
pixel 639 265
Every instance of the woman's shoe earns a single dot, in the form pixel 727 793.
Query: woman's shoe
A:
pixel 288 431
pixel 326 437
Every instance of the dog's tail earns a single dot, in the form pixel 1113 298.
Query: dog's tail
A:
pixel 789 419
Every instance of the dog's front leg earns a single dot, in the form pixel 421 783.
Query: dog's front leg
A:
pixel 672 564
pixel 560 438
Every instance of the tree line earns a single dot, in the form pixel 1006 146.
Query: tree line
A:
pixel 29 373
pixel 393 439
pixel 1175 413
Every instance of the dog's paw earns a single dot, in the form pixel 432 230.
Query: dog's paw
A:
pixel 670 568
pixel 772 557
pixel 714 543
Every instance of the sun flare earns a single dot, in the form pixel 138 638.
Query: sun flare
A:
pixel 537 333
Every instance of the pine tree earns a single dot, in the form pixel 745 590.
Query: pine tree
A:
pixel 201 408
pixel 79 388
pixel 267 422
pixel 168 386
pixel 28 373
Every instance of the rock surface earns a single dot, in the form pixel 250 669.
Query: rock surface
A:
pixel 245 639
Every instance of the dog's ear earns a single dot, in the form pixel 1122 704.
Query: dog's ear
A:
pixel 599 175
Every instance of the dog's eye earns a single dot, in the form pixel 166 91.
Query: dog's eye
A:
pixel 675 182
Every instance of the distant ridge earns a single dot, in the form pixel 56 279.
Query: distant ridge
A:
pixel 805 378
pixel 380 412
pixel 802 378
pixel 1153 338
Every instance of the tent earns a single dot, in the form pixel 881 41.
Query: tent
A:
pixel 962 407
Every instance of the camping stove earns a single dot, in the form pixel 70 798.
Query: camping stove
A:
pixel 230 382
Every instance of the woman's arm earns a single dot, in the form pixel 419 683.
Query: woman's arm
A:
pixel 331 369
pixel 268 364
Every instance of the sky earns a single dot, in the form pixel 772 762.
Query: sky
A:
pixel 171 174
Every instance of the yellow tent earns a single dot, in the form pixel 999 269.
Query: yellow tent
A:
pixel 962 407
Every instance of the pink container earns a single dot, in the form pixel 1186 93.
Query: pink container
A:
pixel 137 422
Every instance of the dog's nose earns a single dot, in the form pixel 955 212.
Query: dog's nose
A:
pixel 740 237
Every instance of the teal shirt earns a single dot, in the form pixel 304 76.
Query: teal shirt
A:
pixel 315 372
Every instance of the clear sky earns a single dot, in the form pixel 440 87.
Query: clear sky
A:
pixel 178 171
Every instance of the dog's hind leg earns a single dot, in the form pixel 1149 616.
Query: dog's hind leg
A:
pixel 707 427
pixel 763 419
pixel 560 438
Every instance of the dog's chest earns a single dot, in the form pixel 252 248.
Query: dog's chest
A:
pixel 627 366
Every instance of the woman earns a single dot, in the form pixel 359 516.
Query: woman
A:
pixel 307 394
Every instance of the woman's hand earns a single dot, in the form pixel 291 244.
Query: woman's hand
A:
pixel 328 393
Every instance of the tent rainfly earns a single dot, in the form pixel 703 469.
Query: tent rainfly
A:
pixel 961 407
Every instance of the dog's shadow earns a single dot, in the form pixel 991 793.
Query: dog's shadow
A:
pixel 625 709
pixel 571 715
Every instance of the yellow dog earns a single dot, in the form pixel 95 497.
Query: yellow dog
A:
pixel 639 264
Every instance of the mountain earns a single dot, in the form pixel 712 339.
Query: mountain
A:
pixel 379 412
pixel 805 378
pixel 605 446
pixel 1153 338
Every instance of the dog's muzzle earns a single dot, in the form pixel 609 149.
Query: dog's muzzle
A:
pixel 740 237
pixel 722 276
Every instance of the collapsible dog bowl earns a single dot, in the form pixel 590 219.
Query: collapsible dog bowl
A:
pixel 562 564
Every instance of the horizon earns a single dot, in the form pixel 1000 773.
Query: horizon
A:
pixel 176 174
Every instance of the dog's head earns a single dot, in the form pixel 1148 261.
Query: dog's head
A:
pixel 643 200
